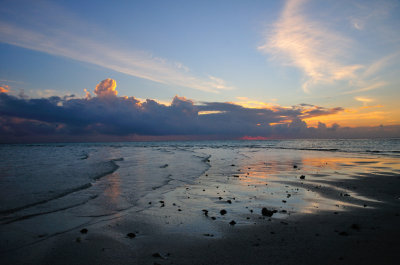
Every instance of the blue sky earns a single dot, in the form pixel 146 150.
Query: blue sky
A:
pixel 252 53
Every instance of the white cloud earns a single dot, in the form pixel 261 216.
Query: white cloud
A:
pixel 325 55
pixel 364 100
pixel 308 45
pixel 64 36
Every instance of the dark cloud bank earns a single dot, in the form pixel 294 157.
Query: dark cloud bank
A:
pixel 107 117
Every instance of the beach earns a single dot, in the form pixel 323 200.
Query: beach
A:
pixel 201 203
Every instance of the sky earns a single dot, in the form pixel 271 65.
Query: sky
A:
pixel 137 70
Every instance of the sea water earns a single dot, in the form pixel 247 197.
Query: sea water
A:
pixel 39 183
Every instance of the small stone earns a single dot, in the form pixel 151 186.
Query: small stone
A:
pixel 84 231
pixel 229 201
pixel 302 177
pixel 266 212
pixel 131 235
pixel 232 222
pixel 222 212
pixel 295 166
pixel 205 212
pixel 213 218
pixel 283 201
pixel 157 255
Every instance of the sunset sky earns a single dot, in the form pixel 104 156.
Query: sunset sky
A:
pixel 272 68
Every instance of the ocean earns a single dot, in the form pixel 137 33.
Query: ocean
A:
pixel 53 188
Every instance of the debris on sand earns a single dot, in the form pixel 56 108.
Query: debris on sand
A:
pixel 157 255
pixel 84 231
pixel 266 212
pixel 131 235
pixel 222 212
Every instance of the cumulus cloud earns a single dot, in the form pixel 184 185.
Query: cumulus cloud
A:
pixel 106 88
pixel 61 118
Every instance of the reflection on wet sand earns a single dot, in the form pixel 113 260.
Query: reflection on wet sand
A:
pixel 275 180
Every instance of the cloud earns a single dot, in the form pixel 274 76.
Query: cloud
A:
pixel 106 88
pixel 364 100
pixel 303 38
pixel 107 114
pixel 55 31
pixel 4 89
pixel 310 46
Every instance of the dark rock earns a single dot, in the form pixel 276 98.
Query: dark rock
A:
pixel 229 201
pixel 84 231
pixel 232 165
pixel 295 166
pixel 219 198
pixel 164 166
pixel 232 222
pixel 131 235
pixel 283 201
pixel 266 212
pixel 302 177
pixel 213 218
pixel 157 255
pixel 205 212
pixel 235 176
pixel 222 212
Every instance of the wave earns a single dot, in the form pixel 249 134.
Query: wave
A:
pixel 112 168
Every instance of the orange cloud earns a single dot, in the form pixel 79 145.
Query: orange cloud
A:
pixel 106 88
pixel 4 89
pixel 356 117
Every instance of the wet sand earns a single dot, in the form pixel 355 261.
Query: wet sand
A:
pixel 346 210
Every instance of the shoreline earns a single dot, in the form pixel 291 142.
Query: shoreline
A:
pixel 320 225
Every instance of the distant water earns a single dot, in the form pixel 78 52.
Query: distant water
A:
pixel 37 179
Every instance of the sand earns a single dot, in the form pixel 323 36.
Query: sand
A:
pixel 346 212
